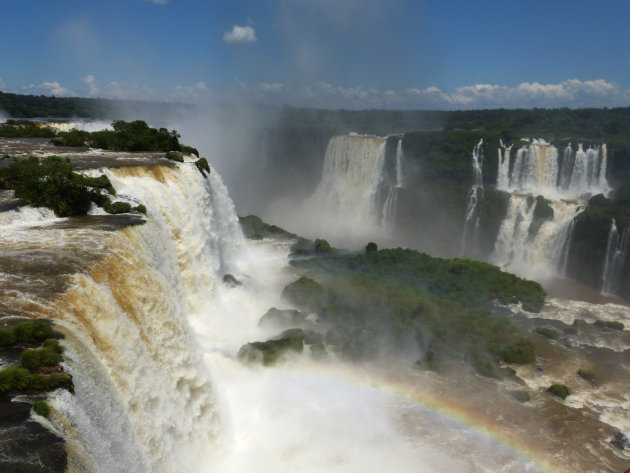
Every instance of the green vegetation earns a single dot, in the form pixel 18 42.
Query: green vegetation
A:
pixel 519 353
pixel 140 208
pixel 609 324
pixel 588 375
pixel 25 333
pixel 305 247
pixel 54 183
pixel 254 228
pixel 48 355
pixel 71 138
pixel 135 136
pixel 371 247
pixel 116 207
pixel 547 332
pixel 559 390
pixel 38 370
pixel 175 156
pixel 49 183
pixel 24 129
pixel 203 166
pixel 272 350
pixel 41 408
pixel 401 298
pixel 520 396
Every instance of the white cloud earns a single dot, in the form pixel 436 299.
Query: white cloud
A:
pixel 157 2
pixel 48 88
pixel 568 93
pixel 240 35
pixel 3 86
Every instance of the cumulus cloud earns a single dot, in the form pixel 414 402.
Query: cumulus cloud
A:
pixel 568 93
pixel 240 35
pixel 48 88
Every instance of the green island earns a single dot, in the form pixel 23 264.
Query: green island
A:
pixel 399 300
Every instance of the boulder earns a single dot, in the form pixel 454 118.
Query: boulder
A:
pixel 281 317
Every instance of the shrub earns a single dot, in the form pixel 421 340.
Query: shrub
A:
pixel 203 166
pixel 29 332
pixel 612 325
pixel 559 390
pixel 520 352
pixel 140 208
pixel 175 156
pixel 41 408
pixel 587 375
pixel 33 359
pixel 116 207
pixel 14 379
pixel 371 248
pixel 50 183
pixel 7 336
pixel 520 396
pixel 190 150
pixel 547 332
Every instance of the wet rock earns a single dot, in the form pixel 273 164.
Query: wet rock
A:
pixel 620 441
pixel 281 317
pixel 274 349
pixel 25 445
pixel 231 281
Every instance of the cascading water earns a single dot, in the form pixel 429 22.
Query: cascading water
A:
pixel 614 259
pixel 470 235
pixel 151 337
pixel 503 175
pixel 144 401
pixel 391 203
pixel 352 173
pixel 542 250
pixel 538 169
pixel 536 254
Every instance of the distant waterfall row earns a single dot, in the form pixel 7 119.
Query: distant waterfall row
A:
pixel 538 168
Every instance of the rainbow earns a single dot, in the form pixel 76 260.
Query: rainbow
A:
pixel 441 406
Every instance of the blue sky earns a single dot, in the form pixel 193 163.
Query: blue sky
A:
pixel 323 53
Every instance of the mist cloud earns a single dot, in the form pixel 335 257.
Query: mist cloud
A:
pixel 240 35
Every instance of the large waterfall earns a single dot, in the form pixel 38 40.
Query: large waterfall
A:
pixel 540 249
pixel 352 173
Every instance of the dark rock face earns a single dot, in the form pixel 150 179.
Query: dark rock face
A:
pixel 26 446
pixel 620 441
pixel 281 317
pixel 231 281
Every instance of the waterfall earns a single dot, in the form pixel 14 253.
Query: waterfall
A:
pixel 614 259
pixel 503 175
pixel 470 235
pixel 144 400
pixel 538 254
pixel 537 169
pixel 347 205
pixel 391 202
pixel 567 182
